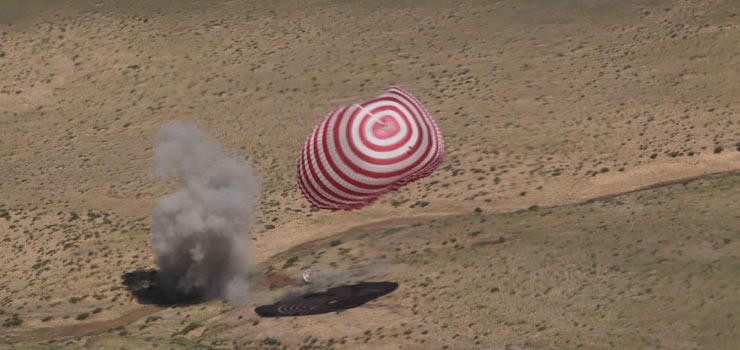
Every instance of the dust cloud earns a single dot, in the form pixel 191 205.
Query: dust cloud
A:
pixel 201 238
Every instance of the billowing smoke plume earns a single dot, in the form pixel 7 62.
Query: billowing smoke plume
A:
pixel 201 235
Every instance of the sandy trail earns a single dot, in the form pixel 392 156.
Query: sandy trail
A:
pixel 379 224
pixel 323 227
pixel 78 330
pixel 72 331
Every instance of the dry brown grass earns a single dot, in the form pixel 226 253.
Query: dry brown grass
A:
pixel 541 103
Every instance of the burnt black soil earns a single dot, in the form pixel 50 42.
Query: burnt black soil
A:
pixel 145 285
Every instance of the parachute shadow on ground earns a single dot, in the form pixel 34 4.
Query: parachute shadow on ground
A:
pixel 144 285
pixel 332 300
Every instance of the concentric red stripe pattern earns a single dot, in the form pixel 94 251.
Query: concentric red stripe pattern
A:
pixel 364 150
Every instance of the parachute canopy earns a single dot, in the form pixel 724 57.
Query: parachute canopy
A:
pixel 364 150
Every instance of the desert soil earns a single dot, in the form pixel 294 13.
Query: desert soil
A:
pixel 543 105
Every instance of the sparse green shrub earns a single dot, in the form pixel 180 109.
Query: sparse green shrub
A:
pixel 82 316
pixel 718 149
pixel 13 321
pixel 290 262
pixel 335 243
pixel 190 327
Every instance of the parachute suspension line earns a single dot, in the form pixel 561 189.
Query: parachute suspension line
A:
pixel 373 117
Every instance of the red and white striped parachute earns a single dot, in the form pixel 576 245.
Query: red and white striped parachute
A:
pixel 364 150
